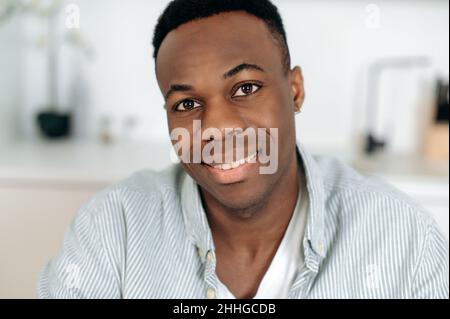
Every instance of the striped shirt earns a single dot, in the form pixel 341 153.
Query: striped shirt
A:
pixel 148 237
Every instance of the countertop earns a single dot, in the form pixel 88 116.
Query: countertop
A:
pixel 96 163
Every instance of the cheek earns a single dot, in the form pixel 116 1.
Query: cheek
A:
pixel 279 114
pixel 181 136
pixel 274 112
pixel 170 123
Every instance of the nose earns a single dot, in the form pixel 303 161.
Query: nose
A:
pixel 222 114
pixel 229 126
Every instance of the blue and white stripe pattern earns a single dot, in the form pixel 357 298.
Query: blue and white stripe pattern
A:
pixel 148 237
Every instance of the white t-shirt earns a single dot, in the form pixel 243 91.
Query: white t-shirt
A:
pixel 280 275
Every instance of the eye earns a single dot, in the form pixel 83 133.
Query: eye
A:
pixel 186 105
pixel 247 89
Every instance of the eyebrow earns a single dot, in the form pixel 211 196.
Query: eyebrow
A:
pixel 178 88
pixel 239 68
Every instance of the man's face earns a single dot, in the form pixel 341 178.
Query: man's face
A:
pixel 193 64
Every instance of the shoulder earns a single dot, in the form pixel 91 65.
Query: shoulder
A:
pixel 137 197
pixel 370 203
pixel 382 232
pixel 147 183
pixel 341 180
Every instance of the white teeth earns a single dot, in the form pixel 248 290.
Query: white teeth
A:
pixel 226 166
pixel 250 159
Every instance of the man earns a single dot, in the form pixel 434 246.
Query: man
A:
pixel 312 228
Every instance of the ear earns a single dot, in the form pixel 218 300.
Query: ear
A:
pixel 296 87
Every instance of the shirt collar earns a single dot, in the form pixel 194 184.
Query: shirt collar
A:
pixel 314 241
pixel 199 232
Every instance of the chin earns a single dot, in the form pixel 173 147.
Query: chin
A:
pixel 241 196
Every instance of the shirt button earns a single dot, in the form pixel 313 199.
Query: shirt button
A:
pixel 320 247
pixel 211 293
pixel 200 252
pixel 209 256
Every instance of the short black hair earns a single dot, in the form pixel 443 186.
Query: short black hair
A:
pixel 179 12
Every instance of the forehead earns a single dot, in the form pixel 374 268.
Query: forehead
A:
pixel 215 44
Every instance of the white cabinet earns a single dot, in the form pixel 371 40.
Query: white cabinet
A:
pixel 33 219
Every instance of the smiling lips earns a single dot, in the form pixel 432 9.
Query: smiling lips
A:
pixel 229 173
pixel 236 164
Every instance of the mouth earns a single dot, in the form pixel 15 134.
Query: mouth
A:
pixel 235 172
pixel 236 164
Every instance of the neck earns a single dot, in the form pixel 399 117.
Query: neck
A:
pixel 263 226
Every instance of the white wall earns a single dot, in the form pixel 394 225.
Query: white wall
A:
pixel 334 45
pixel 331 40
pixel 9 64
pixel 119 78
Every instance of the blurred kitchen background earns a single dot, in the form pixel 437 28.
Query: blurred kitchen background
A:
pixel 80 107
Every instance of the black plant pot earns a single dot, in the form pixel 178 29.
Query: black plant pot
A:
pixel 54 124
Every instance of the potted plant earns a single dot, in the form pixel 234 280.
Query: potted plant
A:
pixel 51 120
